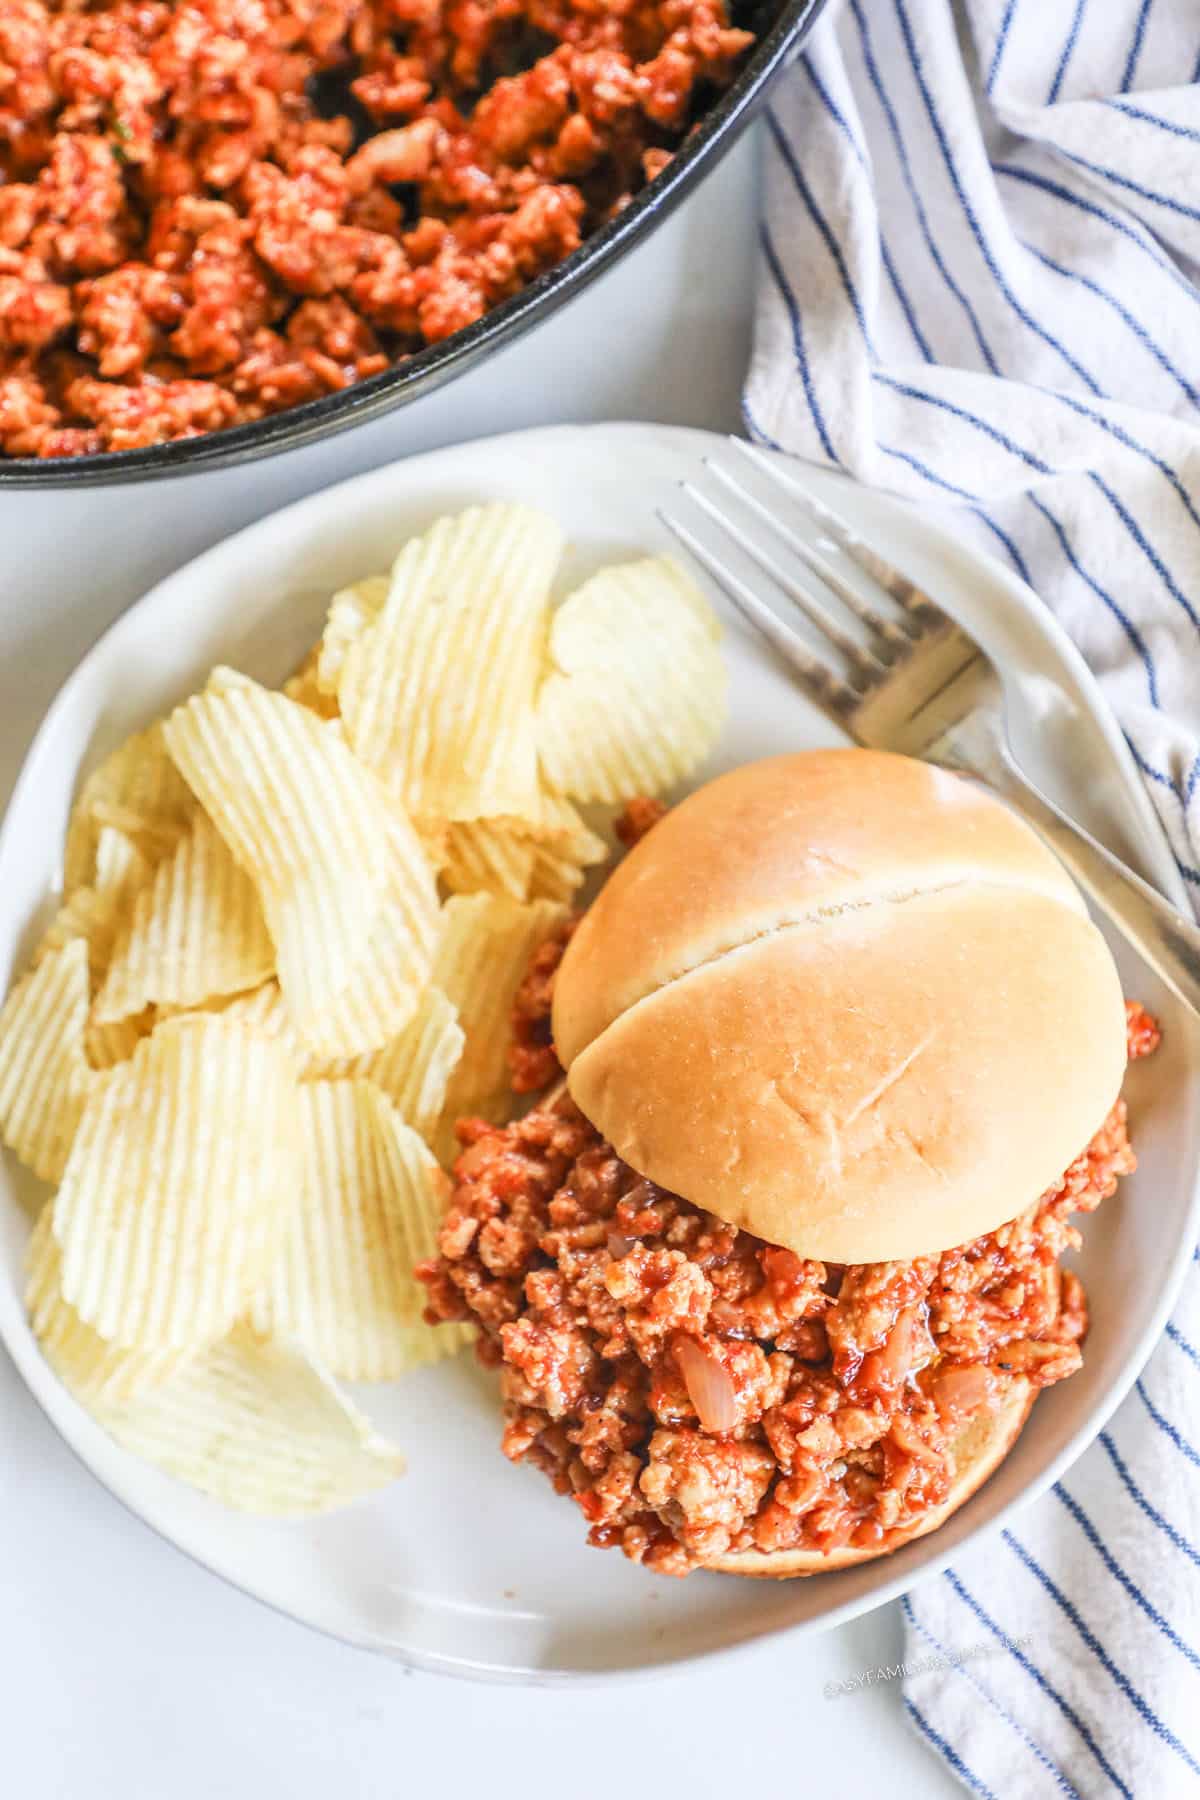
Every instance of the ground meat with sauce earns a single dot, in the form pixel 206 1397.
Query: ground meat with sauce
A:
pixel 696 1390
pixel 211 210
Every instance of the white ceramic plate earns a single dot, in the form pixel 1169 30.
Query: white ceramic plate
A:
pixel 470 1565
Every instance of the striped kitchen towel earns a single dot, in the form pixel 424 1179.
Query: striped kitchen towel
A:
pixel 979 287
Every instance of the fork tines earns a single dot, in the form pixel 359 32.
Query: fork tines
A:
pixel 867 662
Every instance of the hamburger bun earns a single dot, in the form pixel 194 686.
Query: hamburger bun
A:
pixel 847 1002
pixel 977 1451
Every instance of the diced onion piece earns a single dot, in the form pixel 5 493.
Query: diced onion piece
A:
pixel 961 1390
pixel 709 1385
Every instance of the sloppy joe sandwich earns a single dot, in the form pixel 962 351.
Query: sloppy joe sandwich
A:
pixel 772 1269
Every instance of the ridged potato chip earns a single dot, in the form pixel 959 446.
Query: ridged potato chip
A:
pixel 637 693
pixel 138 791
pixel 414 1068
pixel 561 826
pixel 348 894
pixel 564 848
pixel 554 876
pixel 255 1424
pixel 44 1074
pixel 342 1287
pixel 264 1010
pixel 487 856
pixel 483 954
pixel 197 931
pixel 89 916
pixel 175 1197
pixel 350 612
pixel 115 1041
pixel 438 692
pixel 98 911
pixel 525 859
pixel 423 1344
pixel 304 688
pixel 385 991
pixel 121 868
pixel 88 1364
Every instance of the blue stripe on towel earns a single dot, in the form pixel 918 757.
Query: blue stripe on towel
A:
pixel 948 1751
pixel 1044 468
pixel 970 215
pixel 1068 48
pixel 1150 118
pixel 821 222
pixel 1135 324
pixel 1126 623
pixel 961 493
pixel 960 1668
pixel 793 311
pixel 1130 630
pixel 1165 1426
pixel 1140 1501
pixel 890 269
pixel 1001 40
pixel 755 430
pixel 905 167
pixel 1087 1636
pixel 1134 187
pixel 1035 1674
pixel 1120 1576
pixel 1176 1336
pixel 1136 232
pixel 1135 49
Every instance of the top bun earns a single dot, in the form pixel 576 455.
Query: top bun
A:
pixel 847 1002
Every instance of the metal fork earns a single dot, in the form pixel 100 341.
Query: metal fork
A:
pixel 916 682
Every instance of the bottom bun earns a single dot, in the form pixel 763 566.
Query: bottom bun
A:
pixel 978 1449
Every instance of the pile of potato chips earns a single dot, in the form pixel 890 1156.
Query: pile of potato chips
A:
pixel 292 929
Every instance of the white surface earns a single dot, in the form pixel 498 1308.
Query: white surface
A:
pixel 126 1671
pixel 409 1572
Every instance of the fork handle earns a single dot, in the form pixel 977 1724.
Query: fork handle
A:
pixel 1164 937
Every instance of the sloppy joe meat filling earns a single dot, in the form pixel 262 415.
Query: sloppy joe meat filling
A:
pixel 213 210
pixel 698 1391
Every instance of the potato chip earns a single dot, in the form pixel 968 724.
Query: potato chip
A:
pixel 422 1344
pixel 438 692
pixel 121 868
pixel 176 1193
pixel 263 1010
pixel 487 856
pixel 197 930
pixel 88 1364
pixel 343 1287
pixel 138 791
pixel 384 992
pixel 564 848
pixel 522 858
pixel 554 877
pixel 414 1068
pixel 348 894
pixel 305 690
pixel 258 1426
pixel 637 693
pixel 434 835
pixel 115 1040
pixel 350 612
pixel 562 827
pixel 44 1074
pixel 483 953
pixel 87 915
pixel 97 912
